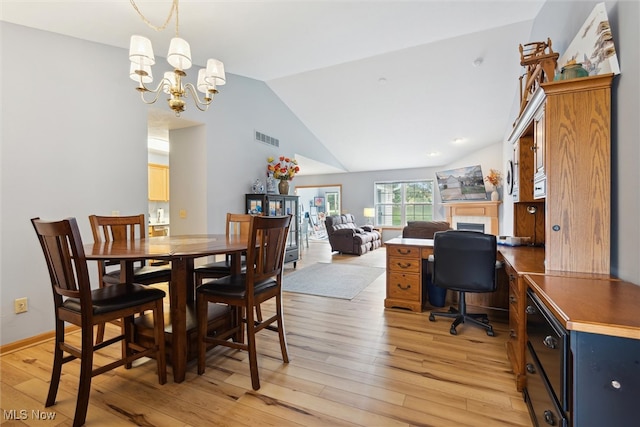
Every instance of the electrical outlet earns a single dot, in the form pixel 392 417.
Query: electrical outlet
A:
pixel 20 305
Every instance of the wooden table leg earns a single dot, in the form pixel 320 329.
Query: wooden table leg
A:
pixel 178 302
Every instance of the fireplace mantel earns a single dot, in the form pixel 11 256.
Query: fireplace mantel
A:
pixel 487 210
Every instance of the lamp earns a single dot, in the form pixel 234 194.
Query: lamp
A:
pixel 179 57
pixel 369 213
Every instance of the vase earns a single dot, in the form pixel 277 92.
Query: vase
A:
pixel 283 186
pixel 495 196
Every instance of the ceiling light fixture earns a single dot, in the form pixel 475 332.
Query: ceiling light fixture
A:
pixel 179 57
pixel 458 140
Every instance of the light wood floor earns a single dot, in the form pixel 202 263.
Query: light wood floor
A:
pixel 353 363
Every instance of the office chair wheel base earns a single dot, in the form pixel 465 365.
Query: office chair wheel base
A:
pixel 484 320
pixel 432 318
pixel 491 333
pixel 453 331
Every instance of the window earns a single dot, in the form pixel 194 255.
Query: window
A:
pixel 397 202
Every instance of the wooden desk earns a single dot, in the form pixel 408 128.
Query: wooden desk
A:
pixel 405 270
pixel 181 251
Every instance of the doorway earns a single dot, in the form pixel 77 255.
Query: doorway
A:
pixel 318 201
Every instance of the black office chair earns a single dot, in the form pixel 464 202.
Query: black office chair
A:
pixel 464 261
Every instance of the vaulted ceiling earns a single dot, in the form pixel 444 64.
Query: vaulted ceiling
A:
pixel 411 83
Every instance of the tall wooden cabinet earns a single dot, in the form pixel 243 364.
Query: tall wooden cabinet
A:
pixel 569 123
pixel 562 166
pixel 278 205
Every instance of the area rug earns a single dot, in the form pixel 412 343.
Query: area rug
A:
pixel 333 280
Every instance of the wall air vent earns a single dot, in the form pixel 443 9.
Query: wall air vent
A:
pixel 267 139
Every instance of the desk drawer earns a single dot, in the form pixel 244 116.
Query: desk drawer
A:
pixel 404 264
pixel 403 251
pixel 549 341
pixel 404 286
pixel 543 407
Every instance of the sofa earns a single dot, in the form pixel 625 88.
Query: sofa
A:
pixel 424 229
pixel 348 238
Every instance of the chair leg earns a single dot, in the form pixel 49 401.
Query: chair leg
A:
pixel 258 313
pixel 281 332
pixel 86 368
pixel 161 355
pixel 251 348
pixel 100 333
pixel 127 327
pixel 58 355
pixel 201 315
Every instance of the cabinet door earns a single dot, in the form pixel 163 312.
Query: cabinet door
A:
pixel 578 218
pixel 158 181
pixel 539 150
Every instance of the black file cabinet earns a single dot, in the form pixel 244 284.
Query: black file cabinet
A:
pixel 278 205
pixel 578 378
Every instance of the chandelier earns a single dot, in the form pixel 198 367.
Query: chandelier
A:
pixel 179 57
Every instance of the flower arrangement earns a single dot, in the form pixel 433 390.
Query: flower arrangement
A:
pixel 284 169
pixel 494 178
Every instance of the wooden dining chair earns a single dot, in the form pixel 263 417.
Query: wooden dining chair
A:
pixel 237 225
pixel 261 282
pixel 116 228
pixel 76 303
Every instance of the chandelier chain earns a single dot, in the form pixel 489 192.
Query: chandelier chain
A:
pixel 174 8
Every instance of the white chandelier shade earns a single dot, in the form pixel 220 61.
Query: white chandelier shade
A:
pixel 179 56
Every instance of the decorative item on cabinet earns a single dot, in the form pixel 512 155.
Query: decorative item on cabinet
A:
pixel 283 187
pixel 570 71
pixel 257 187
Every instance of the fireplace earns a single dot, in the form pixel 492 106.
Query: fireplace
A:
pixel 477 216
pixel 469 226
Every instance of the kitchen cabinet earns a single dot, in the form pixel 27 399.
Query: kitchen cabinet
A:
pixel 158 179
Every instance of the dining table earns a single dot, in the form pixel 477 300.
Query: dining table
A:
pixel 181 251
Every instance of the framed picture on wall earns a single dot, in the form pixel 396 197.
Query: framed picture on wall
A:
pixel 318 202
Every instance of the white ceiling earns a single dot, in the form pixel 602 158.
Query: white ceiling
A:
pixel 382 84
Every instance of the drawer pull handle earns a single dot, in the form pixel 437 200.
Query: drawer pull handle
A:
pixel 530 310
pixel 549 418
pixel 512 277
pixel 616 384
pixel 404 288
pixel 404 251
pixel 530 368
pixel 513 299
pixel 512 333
pixel 550 342
pixel 404 265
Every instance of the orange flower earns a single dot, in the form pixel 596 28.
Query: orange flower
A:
pixel 494 178
pixel 285 169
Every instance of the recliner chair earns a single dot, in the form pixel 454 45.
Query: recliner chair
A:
pixel 465 261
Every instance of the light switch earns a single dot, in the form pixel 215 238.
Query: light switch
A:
pixel 183 213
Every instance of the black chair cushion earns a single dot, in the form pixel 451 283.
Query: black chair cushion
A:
pixel 234 286
pixel 219 267
pixel 117 297
pixel 146 274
